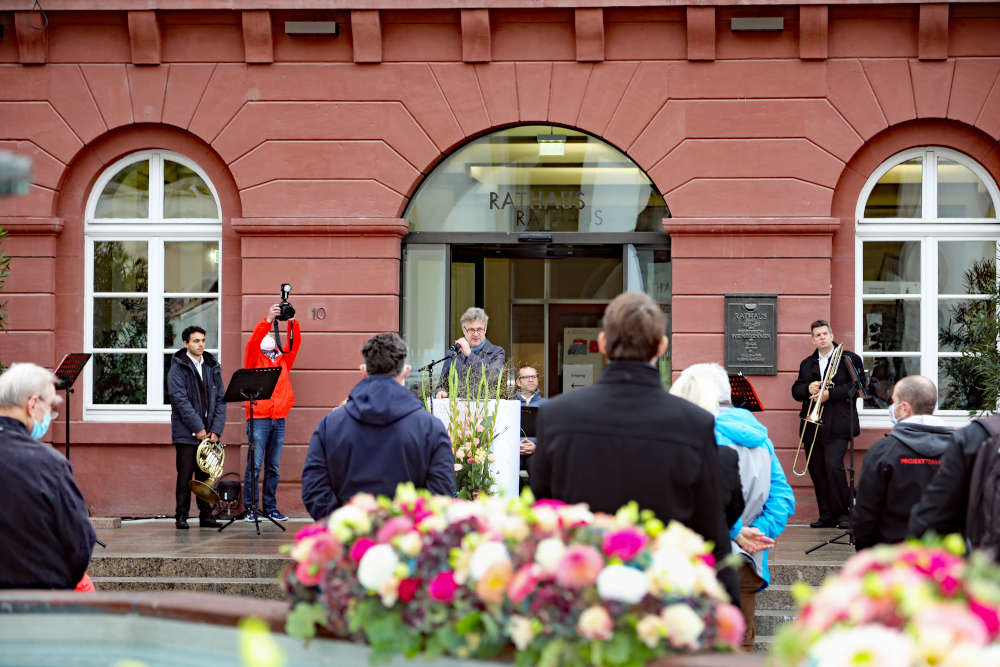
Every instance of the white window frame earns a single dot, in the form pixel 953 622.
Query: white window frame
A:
pixel 928 230
pixel 156 231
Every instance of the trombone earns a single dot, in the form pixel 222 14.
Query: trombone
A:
pixel 814 415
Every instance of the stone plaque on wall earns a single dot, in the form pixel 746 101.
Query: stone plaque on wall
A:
pixel 752 333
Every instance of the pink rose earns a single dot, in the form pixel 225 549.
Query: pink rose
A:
pixel 707 559
pixel 579 566
pixel 309 530
pixel 595 623
pixel 308 574
pixel 397 525
pixel 442 587
pixel 731 626
pixel 524 582
pixel 989 615
pixel 325 548
pixel 408 588
pixel 362 545
pixel 624 544
pixel 548 502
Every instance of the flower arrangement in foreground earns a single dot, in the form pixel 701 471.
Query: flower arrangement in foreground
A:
pixel 432 575
pixel 906 605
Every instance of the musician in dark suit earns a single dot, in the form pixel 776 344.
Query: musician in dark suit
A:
pixel 839 423
pixel 625 438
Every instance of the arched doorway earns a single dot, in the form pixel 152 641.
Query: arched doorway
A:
pixel 541 226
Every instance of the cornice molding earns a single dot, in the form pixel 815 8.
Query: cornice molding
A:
pixel 32 226
pixel 320 226
pixel 743 226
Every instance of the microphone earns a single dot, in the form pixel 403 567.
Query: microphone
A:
pixel 453 349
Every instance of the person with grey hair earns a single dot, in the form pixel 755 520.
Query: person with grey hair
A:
pixel 472 353
pixel 382 435
pixel 47 536
pixel 768 498
pixel 898 468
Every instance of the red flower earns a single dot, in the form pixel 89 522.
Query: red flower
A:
pixel 442 587
pixel 362 545
pixel 409 587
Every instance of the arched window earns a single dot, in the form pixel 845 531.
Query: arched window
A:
pixel 153 230
pixel 927 231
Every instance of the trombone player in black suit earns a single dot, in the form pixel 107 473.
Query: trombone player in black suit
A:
pixel 838 422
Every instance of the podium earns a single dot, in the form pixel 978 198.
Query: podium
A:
pixel 68 371
pixel 505 447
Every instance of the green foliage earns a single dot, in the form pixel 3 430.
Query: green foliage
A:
pixel 972 327
pixel 303 619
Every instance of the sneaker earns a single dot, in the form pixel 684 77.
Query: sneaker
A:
pixel 277 516
pixel 251 517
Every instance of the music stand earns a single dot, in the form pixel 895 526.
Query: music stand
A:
pixel 67 373
pixel 743 395
pixel 858 387
pixel 252 384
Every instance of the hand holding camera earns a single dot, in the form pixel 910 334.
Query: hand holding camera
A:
pixel 285 308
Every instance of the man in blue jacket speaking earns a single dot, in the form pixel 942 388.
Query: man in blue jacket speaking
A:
pixel 382 436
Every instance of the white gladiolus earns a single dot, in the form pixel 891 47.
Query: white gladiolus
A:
pixel 377 566
pixel 672 572
pixel 684 626
pixel 486 555
pixel 622 583
pixel 875 644
pixel 548 554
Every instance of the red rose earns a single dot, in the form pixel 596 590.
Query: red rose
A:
pixel 408 588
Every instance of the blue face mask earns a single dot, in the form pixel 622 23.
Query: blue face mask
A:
pixel 40 428
pixel 892 414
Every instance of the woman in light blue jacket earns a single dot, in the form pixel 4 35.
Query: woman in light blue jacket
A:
pixel 766 493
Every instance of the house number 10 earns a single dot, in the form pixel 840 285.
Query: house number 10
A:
pixel 319 313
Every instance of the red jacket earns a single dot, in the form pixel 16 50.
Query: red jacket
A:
pixel 283 398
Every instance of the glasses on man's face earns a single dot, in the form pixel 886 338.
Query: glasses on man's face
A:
pixel 475 330
pixel 527 377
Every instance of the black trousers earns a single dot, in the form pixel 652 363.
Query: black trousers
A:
pixel 826 468
pixel 187 466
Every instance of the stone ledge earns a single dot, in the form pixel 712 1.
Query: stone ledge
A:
pixel 104 522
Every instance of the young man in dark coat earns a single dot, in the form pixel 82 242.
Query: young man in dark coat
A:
pixel 625 438
pixel 197 411
pixel 45 532
pixel 899 467
pixel 381 436
pixel 839 424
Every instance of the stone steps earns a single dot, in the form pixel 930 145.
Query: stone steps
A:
pixel 775 605
pixel 257 577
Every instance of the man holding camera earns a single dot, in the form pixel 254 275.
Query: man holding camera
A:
pixel 264 350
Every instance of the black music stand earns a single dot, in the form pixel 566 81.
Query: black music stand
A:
pixel 742 393
pixel 67 373
pixel 252 384
pixel 857 388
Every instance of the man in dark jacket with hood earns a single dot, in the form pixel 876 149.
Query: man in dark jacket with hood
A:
pixel 197 411
pixel 625 438
pixel 382 436
pixel 899 467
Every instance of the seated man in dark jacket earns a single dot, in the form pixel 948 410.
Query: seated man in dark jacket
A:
pixel 45 532
pixel 625 438
pixel 944 506
pixel 899 467
pixel 380 437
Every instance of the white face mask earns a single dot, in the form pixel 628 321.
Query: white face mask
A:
pixel 267 344
pixel 892 414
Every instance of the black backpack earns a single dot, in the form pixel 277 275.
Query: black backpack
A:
pixel 982 523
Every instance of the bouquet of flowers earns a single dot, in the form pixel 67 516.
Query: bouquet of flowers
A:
pixel 904 605
pixel 472 430
pixel 432 575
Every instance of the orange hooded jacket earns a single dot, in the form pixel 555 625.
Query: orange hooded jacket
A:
pixel 283 398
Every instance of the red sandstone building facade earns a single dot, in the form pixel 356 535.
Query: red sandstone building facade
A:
pixel 534 158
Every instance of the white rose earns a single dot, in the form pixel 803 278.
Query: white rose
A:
pixel 463 509
pixel 434 523
pixel 707 583
pixel 680 537
pixel 684 626
pixel 521 631
pixel 622 583
pixel 410 543
pixel 486 555
pixel 877 644
pixel 650 630
pixel 389 591
pixel 672 572
pixel 548 554
pixel 377 566
pixel 573 515
pixel 350 516
pixel 546 518
pixel 516 528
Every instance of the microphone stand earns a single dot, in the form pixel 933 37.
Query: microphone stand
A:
pixel 430 366
pixel 857 387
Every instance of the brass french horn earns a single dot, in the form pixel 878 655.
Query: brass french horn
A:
pixel 814 415
pixel 210 456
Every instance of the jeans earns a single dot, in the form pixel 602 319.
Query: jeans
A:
pixel 268 437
